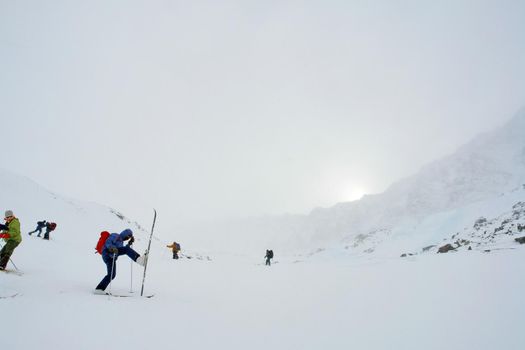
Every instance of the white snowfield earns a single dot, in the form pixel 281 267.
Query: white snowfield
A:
pixel 348 289
pixel 335 299
pixel 456 301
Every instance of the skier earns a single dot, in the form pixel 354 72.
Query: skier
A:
pixel 113 248
pixel 175 248
pixel 50 226
pixel 12 237
pixel 39 226
pixel 268 256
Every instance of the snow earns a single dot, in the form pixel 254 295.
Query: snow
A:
pixel 337 281
pixel 483 169
pixel 457 301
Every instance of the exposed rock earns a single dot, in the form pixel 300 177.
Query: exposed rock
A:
pixel 520 240
pixel 427 248
pixel 469 248
pixel 404 255
pixel 480 223
pixel 497 229
pixel 519 205
pixel 446 248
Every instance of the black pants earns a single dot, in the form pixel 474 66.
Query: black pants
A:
pixel 38 229
pixel 46 235
pixel 175 255
pixel 112 266
pixel 6 252
pixel 268 261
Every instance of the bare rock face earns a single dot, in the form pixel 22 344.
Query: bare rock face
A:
pixel 446 248
pixel 480 223
pixel 520 240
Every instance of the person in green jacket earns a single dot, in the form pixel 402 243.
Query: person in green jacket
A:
pixel 12 237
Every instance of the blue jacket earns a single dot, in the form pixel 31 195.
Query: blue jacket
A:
pixel 115 240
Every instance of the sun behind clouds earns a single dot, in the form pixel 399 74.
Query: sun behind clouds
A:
pixel 353 192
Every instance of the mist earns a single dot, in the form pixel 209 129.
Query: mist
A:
pixel 212 110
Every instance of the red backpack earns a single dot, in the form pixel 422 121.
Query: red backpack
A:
pixel 52 226
pixel 101 241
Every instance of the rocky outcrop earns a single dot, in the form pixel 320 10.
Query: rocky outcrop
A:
pixel 520 240
pixel 446 248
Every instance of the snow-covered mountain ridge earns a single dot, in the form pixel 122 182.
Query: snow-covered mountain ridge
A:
pixel 32 202
pixel 490 165
pixel 342 296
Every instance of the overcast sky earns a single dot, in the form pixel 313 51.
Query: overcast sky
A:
pixel 212 109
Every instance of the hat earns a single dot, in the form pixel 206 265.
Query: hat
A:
pixel 8 213
pixel 126 234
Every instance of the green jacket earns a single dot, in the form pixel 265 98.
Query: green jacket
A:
pixel 14 231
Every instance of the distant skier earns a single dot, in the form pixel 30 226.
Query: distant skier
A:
pixel 175 248
pixel 39 226
pixel 269 256
pixel 50 226
pixel 11 235
pixel 113 248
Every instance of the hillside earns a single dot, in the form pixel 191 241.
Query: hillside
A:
pixel 31 203
pixel 355 292
pixel 328 300
pixel 491 165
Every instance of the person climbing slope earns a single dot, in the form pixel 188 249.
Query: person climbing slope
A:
pixel 11 235
pixel 175 248
pixel 39 226
pixel 50 226
pixel 113 248
pixel 269 256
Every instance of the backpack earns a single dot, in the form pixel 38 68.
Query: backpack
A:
pixel 52 226
pixel 270 254
pixel 102 241
pixel 177 246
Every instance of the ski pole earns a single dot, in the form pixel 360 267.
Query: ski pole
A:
pixel 131 270
pixel 111 276
pixel 12 262
pixel 131 280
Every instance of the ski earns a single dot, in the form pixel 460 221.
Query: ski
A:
pixel 12 272
pixel 131 296
pixel 147 252
pixel 8 296
pixel 124 295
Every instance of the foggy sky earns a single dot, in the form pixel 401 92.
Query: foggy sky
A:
pixel 213 109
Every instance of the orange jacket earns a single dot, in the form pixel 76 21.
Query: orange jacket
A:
pixel 174 247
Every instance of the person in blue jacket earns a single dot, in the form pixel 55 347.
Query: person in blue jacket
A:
pixel 39 226
pixel 113 248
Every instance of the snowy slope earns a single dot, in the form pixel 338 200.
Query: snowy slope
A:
pixel 489 166
pixel 31 203
pixel 332 299
pixel 459 301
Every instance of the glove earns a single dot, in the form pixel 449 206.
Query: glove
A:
pixel 131 240
pixel 113 250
